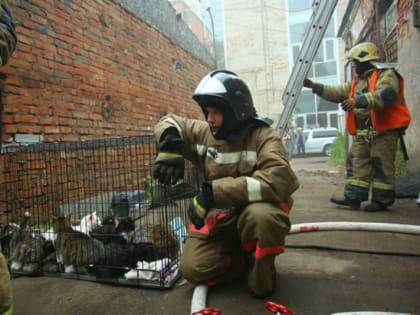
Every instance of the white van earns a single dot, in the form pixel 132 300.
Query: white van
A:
pixel 319 140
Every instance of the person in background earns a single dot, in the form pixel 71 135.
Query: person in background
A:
pixel 288 140
pixel 376 116
pixel 240 218
pixel 7 46
pixel 300 141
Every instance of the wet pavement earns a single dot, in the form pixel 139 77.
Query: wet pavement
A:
pixel 321 272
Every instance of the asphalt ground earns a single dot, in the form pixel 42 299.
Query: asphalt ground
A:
pixel 322 272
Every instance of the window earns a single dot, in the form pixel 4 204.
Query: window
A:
pixel 325 69
pixel 305 102
pixel 300 5
pixel 329 49
pixel 325 106
pixel 311 121
pixel 297 32
pixel 330 31
pixel 295 52
pixel 319 54
pixel 300 121
pixel 322 120
pixel 324 64
pixel 388 20
pixel 334 120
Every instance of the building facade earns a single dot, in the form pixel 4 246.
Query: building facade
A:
pixel 263 38
pixel 205 19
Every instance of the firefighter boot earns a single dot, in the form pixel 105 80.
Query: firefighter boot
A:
pixel 376 207
pixel 344 201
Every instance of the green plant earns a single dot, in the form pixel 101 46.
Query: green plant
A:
pixel 338 150
pixel 400 163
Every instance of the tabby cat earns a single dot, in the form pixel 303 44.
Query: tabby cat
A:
pixel 75 249
pixel 26 247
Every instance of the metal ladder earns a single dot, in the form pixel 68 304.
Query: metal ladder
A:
pixel 321 15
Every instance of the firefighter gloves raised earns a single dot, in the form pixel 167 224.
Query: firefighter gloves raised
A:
pixel 169 166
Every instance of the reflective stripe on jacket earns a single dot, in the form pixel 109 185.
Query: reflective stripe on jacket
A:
pixel 394 116
pixel 254 168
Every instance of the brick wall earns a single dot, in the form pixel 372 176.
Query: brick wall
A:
pixel 43 178
pixel 91 69
pixel 404 10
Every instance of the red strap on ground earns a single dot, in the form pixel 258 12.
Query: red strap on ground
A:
pixel 208 311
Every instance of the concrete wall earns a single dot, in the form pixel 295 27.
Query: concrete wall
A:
pixel 160 14
pixel 256 49
pixel 97 68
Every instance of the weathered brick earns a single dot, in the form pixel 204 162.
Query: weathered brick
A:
pixel 64 67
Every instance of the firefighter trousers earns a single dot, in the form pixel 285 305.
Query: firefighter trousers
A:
pixel 370 164
pixel 234 242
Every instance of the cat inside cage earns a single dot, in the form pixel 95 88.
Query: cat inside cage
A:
pixel 90 210
pixel 103 248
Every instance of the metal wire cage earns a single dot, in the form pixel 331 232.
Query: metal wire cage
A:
pixel 90 210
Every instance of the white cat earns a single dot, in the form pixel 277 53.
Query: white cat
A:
pixel 88 223
pixel 49 235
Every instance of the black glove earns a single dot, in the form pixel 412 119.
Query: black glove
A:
pixel 359 101
pixel 169 166
pixel 349 104
pixel 308 83
pixel 317 88
pixel 200 205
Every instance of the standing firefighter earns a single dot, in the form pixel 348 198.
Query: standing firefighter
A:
pixel 7 46
pixel 376 116
pixel 240 217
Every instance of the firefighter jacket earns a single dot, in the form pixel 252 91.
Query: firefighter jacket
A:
pixel 378 115
pixel 254 168
pixel 7 32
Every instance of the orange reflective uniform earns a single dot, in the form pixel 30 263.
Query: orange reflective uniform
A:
pixel 393 116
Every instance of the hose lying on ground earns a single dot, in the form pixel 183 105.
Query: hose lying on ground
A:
pixel 199 298
pixel 355 226
pixel 198 301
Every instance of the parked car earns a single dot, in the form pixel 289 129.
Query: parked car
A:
pixel 319 140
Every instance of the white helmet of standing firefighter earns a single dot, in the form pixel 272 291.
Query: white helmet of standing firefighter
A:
pixel 225 91
pixel 362 52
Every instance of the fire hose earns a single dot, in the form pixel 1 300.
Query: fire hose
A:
pixel 198 302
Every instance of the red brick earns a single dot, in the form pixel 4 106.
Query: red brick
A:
pixel 60 74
